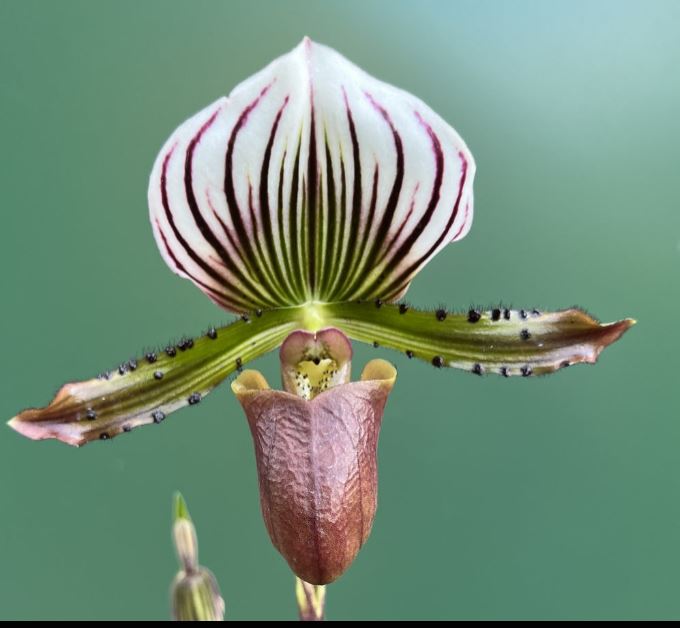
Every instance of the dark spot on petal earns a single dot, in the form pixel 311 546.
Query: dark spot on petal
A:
pixel 158 375
pixel 158 416
pixel 258 312
pixel 375 344
pixel 106 375
pixel 403 308
pixel 477 369
pixel 316 361
pixel 151 357
pixel 127 428
pixel 171 351
pixel 526 371
pixel 122 369
pixel 91 414
pixel 495 314
pixel 440 314
pixel 565 364
pixel 378 303
pixel 194 398
pixel 132 364
pixel 503 371
pixel 524 334
pixel 506 314
pixel 523 313
pixel 474 316
pixel 535 312
pixel 239 364
pixel 409 354
pixel 212 333
pixel 437 361
pixel 104 436
pixel 245 318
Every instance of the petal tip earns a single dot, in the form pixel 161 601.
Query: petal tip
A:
pixel 25 428
pixel 617 329
pixel 35 430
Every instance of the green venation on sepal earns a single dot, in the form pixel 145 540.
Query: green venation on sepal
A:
pixel 499 340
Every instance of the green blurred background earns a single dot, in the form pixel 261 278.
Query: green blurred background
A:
pixel 548 498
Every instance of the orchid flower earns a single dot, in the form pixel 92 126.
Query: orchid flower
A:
pixel 307 201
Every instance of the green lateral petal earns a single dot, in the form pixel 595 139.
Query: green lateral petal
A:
pixel 502 341
pixel 147 390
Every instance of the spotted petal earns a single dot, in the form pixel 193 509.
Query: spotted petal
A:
pixel 312 181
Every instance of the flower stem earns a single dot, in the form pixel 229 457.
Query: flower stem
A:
pixel 311 600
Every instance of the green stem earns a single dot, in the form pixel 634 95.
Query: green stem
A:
pixel 311 600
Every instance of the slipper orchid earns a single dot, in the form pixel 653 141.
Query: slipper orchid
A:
pixel 306 200
pixel 310 198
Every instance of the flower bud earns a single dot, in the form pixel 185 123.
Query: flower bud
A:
pixel 195 594
pixel 196 597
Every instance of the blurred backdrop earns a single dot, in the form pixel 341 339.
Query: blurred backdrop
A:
pixel 542 498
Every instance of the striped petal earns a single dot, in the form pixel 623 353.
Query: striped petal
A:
pixel 312 181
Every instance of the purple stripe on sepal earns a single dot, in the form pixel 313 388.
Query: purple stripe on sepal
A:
pixel 207 268
pixel 372 258
pixel 265 208
pixel 311 210
pixel 215 295
pixel 202 225
pixel 417 231
pixel 242 235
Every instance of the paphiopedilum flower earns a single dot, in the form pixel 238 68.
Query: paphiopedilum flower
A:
pixel 310 198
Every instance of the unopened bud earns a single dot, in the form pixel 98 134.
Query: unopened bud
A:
pixel 196 597
pixel 186 544
pixel 195 592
